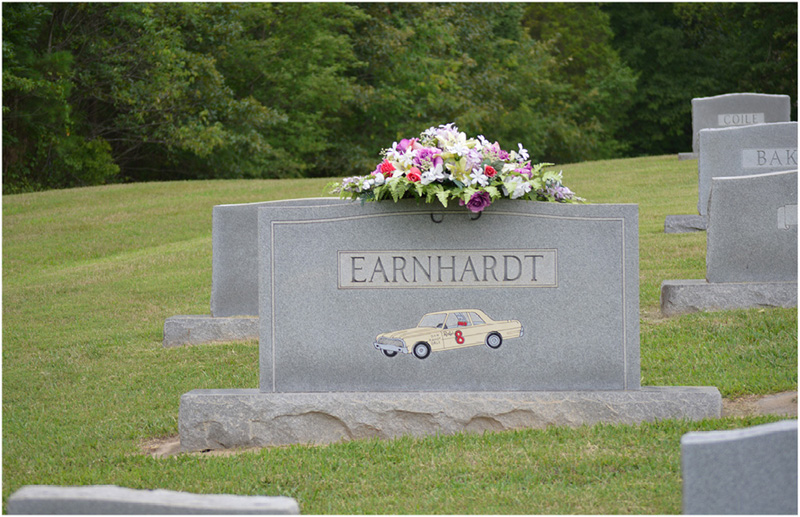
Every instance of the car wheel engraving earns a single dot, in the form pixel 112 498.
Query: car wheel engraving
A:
pixel 389 353
pixel 494 340
pixel 422 350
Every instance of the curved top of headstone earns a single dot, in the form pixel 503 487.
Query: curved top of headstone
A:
pixel 739 96
pixel 737 109
pixel 698 437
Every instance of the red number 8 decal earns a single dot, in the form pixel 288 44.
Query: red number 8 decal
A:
pixel 459 337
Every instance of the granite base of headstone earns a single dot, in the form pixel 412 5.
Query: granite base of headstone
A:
pixel 220 419
pixel 234 278
pixel 751 249
pixel 115 500
pixel 685 224
pixel 381 319
pixel 687 156
pixel 204 330
pixel 751 471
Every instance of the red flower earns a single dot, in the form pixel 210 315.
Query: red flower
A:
pixel 489 171
pixel 413 174
pixel 386 167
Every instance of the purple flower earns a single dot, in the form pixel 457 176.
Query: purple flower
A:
pixel 478 201
pixel 526 170
pixel 427 154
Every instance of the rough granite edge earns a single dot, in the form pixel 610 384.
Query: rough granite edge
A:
pixel 685 224
pixel 694 295
pixel 221 419
pixel 206 329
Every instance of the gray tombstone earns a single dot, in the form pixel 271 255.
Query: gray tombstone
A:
pixel 234 278
pixel 335 278
pixel 743 151
pixel 737 109
pixel 744 471
pixel 752 229
pixel 114 500
pixel 234 247
pixel 386 319
pixel 751 251
pixel 737 151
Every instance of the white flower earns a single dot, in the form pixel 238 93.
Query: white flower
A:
pixel 523 154
pixel 379 179
pixel 516 187
pixel 478 178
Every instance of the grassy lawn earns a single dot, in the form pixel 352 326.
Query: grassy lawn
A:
pixel 90 275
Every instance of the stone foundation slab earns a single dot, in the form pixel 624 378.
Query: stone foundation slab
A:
pixel 220 419
pixel 199 330
pixel 685 224
pixel 687 296
pixel 115 500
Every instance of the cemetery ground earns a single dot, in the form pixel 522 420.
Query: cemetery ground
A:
pixel 90 275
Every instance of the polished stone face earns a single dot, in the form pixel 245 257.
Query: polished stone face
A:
pixel 333 278
pixel 744 151
pixel 737 109
pixel 752 229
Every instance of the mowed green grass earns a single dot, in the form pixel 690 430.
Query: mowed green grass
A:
pixel 90 275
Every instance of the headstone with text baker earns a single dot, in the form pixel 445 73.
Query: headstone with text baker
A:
pixel 479 310
pixel 737 151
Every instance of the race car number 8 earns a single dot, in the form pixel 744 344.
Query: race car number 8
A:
pixel 459 337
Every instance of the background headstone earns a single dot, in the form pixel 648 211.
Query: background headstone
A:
pixel 234 278
pixel 751 249
pixel 752 229
pixel 737 109
pixel 743 471
pixel 744 151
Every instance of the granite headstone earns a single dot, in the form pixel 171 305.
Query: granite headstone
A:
pixel 390 319
pixel 334 278
pixel 737 109
pixel 743 151
pixel 743 471
pixel 751 250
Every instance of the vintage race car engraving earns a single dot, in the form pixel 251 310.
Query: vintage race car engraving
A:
pixel 446 330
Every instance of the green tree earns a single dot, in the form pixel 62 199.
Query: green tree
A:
pixel 683 51
pixel 41 147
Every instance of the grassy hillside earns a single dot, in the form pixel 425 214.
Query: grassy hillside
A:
pixel 90 275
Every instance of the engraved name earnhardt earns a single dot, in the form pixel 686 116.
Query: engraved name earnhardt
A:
pixel 447 268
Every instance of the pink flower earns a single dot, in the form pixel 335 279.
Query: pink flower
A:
pixel 490 171
pixel 386 168
pixel 414 174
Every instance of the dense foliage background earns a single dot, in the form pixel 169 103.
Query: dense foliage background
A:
pixel 96 93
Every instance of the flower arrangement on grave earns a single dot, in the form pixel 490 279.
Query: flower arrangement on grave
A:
pixel 444 164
